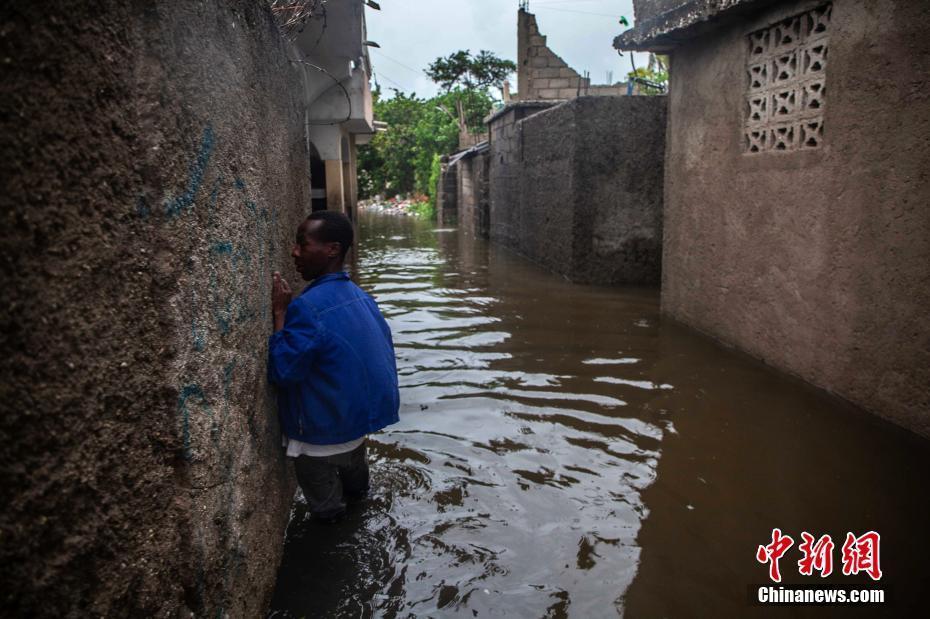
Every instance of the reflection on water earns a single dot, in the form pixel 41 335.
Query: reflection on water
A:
pixel 563 452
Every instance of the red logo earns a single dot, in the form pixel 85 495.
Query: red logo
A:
pixel 773 552
pixel 817 556
pixel 860 554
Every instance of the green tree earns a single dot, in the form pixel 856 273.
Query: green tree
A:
pixel 479 72
pixel 403 159
pixel 400 159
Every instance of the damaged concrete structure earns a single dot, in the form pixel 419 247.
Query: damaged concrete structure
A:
pixel 155 166
pixel 572 182
pixel 543 76
pixel 796 185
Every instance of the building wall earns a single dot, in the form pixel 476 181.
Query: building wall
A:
pixel 547 186
pixel 154 171
pixel 543 76
pixel 619 171
pixel 578 188
pixel 648 9
pixel 473 196
pixel 481 167
pixel 813 259
pixel 504 177
pixel 505 170
pixel 447 196
pixel 466 191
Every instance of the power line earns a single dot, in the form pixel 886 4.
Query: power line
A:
pixel 394 60
pixel 401 86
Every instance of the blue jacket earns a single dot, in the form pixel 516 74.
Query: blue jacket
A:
pixel 333 364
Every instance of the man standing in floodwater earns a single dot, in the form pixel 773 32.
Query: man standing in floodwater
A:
pixel 332 358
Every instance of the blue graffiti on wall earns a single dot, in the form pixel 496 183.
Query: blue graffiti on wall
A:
pixel 198 169
pixel 187 393
pixel 227 278
pixel 228 281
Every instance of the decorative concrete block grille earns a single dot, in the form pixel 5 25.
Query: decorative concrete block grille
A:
pixel 786 70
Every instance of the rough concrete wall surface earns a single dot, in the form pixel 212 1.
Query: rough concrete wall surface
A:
pixel 505 169
pixel 504 178
pixel 482 167
pixel 154 171
pixel 661 24
pixel 815 260
pixel 583 188
pixel 649 9
pixel 473 196
pixel 618 168
pixel 466 194
pixel 447 196
pixel 545 209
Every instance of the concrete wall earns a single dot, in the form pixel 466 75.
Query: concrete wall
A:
pixel 473 194
pixel 505 170
pixel 543 76
pixel 649 9
pixel 578 187
pixel 154 171
pixel 447 196
pixel 817 259
pixel 619 166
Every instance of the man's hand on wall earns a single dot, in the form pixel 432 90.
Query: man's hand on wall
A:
pixel 280 298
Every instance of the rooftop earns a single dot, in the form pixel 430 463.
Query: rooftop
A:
pixel 661 26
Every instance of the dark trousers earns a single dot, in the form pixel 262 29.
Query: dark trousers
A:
pixel 329 482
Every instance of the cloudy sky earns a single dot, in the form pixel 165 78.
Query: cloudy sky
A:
pixel 412 33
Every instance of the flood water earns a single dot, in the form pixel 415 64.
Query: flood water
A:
pixel 564 451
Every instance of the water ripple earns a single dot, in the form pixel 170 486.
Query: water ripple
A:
pixel 511 432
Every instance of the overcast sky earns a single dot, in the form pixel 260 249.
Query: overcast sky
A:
pixel 413 33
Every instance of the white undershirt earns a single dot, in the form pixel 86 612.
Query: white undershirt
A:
pixel 299 448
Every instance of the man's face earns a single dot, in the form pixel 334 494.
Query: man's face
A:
pixel 312 257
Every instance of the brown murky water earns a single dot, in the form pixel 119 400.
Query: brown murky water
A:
pixel 565 452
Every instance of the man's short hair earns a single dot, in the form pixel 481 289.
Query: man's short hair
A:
pixel 335 228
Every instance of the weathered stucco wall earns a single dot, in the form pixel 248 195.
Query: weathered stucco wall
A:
pixel 648 9
pixel 153 171
pixel 619 165
pixel 578 188
pixel 447 196
pixel 816 260
pixel 547 187
pixel 662 25
pixel 473 194
pixel 505 168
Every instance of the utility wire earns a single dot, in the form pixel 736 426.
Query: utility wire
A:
pixel 401 86
pixel 395 61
